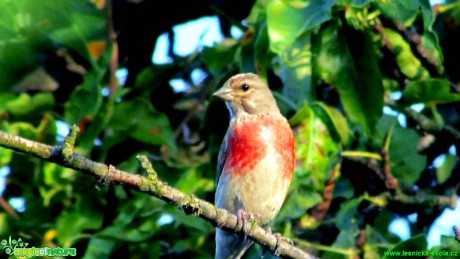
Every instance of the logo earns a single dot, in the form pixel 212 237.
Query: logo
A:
pixel 19 248
pixel 11 244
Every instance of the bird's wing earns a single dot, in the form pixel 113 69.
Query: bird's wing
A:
pixel 221 158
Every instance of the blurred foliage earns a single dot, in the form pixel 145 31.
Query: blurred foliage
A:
pixel 334 67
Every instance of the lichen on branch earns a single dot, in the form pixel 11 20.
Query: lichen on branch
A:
pixel 150 184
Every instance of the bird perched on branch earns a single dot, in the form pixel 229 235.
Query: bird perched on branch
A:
pixel 256 159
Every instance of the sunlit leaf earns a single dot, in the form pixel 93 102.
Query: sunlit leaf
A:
pixel 26 105
pixel 445 171
pixel 317 154
pixel 335 121
pixel 431 50
pixel 288 20
pixel 5 156
pixel 409 64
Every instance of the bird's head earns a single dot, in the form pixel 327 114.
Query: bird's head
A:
pixel 247 94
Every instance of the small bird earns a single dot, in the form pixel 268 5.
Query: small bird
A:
pixel 256 159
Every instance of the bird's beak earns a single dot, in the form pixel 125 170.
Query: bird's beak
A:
pixel 224 93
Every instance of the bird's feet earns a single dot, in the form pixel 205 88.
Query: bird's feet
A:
pixel 244 219
pixel 279 240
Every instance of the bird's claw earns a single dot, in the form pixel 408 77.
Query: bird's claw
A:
pixel 278 244
pixel 279 240
pixel 242 219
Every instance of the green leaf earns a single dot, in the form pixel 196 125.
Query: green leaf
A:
pixel 403 12
pixel 347 61
pixel 406 163
pixel 288 24
pixel 449 248
pixel 192 181
pixel 99 248
pixel 336 123
pixel 409 65
pixel 300 198
pixel 5 156
pixel 245 56
pixel 192 222
pixel 72 224
pixel 5 224
pixel 317 155
pixel 146 126
pixel 262 55
pixel 287 20
pixel 355 3
pixel 294 69
pixel 55 175
pixel 143 229
pixel 316 150
pixel 445 171
pixel 136 221
pixel 406 11
pixel 86 23
pixel 86 99
pixel 428 14
pixel 345 239
pixel 26 105
pixel 343 188
pixel 218 58
pixel 430 91
pixel 432 51
pixel 345 219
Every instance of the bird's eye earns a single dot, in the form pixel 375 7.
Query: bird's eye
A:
pixel 245 87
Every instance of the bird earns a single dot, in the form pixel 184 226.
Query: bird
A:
pixel 256 160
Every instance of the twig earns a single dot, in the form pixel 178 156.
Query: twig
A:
pixel 319 211
pixel 112 39
pixel 457 233
pixel 7 207
pixel 195 107
pixel 425 123
pixel 420 198
pixel 390 181
pixel 149 184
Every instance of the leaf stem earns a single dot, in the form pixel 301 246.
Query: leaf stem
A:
pixel 362 154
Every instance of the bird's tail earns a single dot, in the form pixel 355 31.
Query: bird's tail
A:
pixel 230 244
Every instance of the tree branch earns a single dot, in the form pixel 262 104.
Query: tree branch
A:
pixel 421 197
pixel 150 184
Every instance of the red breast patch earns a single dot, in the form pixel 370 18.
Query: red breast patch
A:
pixel 250 140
